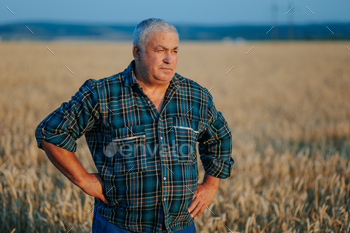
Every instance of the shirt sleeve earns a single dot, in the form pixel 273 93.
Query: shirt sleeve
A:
pixel 215 144
pixel 71 120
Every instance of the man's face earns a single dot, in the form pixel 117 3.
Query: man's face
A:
pixel 159 57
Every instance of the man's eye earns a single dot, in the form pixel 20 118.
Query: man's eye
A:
pixel 160 50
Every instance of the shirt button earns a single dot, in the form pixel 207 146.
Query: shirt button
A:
pixel 164 178
pixel 164 199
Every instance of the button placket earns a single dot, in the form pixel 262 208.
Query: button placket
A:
pixel 162 147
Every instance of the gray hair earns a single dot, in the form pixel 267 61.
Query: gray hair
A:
pixel 148 26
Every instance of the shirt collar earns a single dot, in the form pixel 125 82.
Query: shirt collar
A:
pixel 130 78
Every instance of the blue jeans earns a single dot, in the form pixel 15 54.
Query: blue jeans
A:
pixel 101 225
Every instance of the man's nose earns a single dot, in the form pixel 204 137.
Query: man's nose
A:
pixel 168 57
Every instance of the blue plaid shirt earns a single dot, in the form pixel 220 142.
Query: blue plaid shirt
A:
pixel 147 160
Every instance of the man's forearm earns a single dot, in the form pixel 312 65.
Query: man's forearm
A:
pixel 66 162
pixel 211 181
pixel 69 165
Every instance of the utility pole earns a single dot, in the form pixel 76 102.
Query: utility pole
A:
pixel 274 19
pixel 291 20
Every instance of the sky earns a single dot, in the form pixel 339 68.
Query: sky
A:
pixel 198 12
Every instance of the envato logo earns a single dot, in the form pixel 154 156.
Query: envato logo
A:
pixel 136 149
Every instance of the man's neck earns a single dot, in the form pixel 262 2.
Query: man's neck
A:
pixel 152 87
pixel 149 85
pixel 154 91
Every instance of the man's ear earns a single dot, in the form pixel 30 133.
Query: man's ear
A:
pixel 136 52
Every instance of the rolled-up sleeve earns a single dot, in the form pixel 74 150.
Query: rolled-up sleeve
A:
pixel 71 120
pixel 215 144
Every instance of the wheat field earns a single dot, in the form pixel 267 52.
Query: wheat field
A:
pixel 287 104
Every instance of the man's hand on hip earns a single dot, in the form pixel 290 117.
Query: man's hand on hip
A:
pixel 92 185
pixel 69 165
pixel 203 195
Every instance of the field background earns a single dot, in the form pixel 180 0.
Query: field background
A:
pixel 287 104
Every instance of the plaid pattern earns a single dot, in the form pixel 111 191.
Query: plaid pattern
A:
pixel 148 161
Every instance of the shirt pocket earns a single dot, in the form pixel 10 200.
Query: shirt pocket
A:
pixel 186 135
pixel 130 154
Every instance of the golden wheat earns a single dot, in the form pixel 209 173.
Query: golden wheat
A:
pixel 287 105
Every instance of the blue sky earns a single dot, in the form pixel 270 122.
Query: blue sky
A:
pixel 229 12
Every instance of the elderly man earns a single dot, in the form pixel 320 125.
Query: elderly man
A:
pixel 142 126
